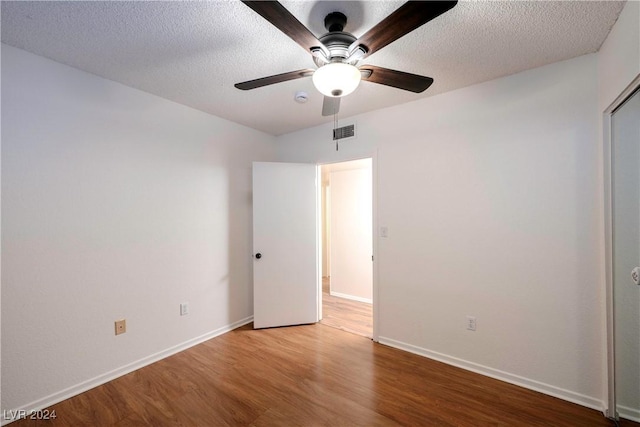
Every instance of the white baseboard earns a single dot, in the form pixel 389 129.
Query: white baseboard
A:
pixel 75 390
pixel 351 297
pixel 580 399
pixel 629 413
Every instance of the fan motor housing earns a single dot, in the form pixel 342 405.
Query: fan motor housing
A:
pixel 338 43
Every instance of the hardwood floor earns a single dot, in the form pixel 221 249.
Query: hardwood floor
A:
pixel 310 375
pixel 347 315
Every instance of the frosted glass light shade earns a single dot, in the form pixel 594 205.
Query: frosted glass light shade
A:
pixel 336 79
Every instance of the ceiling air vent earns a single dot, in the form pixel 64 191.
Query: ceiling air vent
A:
pixel 344 132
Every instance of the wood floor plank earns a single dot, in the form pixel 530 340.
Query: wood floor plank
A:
pixel 311 375
pixel 345 314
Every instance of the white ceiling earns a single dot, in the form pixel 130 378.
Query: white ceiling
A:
pixel 193 52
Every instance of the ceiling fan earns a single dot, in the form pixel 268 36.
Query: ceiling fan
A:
pixel 337 53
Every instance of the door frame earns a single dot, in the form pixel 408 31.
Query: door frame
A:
pixel 374 225
pixel 630 90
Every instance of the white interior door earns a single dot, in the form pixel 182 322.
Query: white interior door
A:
pixel 285 243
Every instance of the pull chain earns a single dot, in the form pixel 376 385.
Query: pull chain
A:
pixel 335 128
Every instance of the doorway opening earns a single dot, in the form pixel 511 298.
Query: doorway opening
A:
pixel 347 246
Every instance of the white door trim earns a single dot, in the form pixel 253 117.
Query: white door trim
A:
pixel 376 257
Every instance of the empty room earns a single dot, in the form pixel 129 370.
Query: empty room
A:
pixel 178 245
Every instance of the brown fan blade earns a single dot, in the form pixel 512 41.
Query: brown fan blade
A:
pixel 278 78
pixel 397 79
pixel 405 19
pixel 283 20
pixel 330 106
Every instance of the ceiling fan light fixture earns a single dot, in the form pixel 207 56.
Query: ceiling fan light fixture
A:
pixel 336 79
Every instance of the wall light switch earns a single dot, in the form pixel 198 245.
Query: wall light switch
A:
pixel 471 323
pixel 384 232
pixel 184 309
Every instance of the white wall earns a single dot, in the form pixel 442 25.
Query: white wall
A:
pixel 326 224
pixel 490 196
pixel 351 224
pixel 619 55
pixel 115 204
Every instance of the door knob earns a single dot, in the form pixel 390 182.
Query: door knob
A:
pixel 258 255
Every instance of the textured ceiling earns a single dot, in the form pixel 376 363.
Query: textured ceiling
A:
pixel 193 52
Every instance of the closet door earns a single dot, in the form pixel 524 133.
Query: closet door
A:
pixel 625 199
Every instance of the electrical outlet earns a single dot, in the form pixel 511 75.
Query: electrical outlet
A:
pixel 121 326
pixel 471 323
pixel 184 309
